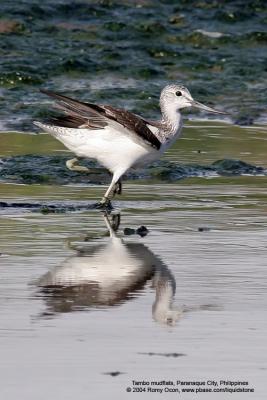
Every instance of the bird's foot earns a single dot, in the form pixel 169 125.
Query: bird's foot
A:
pixel 104 204
pixel 72 165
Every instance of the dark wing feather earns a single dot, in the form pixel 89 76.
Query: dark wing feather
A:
pixel 68 121
pixel 77 109
pixel 133 123
pixel 97 116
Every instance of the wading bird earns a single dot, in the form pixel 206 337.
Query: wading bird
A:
pixel 116 138
pixel 109 273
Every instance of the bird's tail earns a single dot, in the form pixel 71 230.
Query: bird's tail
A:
pixel 47 128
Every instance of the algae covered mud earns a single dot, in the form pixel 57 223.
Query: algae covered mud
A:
pixel 170 286
pixel 124 52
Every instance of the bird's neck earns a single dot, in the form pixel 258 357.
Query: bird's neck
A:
pixel 165 289
pixel 171 121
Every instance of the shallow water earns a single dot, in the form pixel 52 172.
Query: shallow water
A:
pixel 86 310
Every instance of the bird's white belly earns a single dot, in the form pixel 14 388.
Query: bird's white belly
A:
pixel 113 149
pixel 112 264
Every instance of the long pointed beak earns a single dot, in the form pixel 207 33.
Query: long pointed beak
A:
pixel 206 108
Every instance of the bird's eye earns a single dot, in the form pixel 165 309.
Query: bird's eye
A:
pixel 179 93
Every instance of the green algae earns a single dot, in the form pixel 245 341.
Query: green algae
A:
pixel 151 43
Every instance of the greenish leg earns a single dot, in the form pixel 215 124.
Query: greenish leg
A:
pixel 114 188
pixel 74 166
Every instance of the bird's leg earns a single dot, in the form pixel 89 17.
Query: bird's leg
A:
pixel 72 165
pixel 112 225
pixel 111 189
pixel 117 187
pixel 109 194
pixel 116 221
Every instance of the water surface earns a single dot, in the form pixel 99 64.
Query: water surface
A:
pixel 86 310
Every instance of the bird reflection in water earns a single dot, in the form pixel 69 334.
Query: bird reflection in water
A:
pixel 107 274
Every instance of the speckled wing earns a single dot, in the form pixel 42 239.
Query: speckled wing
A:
pixel 93 116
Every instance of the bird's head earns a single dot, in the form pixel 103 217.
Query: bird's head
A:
pixel 179 97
